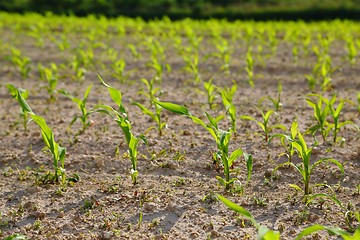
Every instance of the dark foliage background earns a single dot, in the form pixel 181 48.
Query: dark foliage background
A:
pixel 177 9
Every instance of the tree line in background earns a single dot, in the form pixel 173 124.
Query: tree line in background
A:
pixel 177 9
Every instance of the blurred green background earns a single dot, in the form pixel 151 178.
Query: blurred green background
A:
pixel 198 9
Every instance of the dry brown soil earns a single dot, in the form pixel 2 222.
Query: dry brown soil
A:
pixel 176 173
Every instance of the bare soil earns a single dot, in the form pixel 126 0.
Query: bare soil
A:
pixel 176 172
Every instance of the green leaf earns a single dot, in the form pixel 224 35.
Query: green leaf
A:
pixel 24 105
pixel 237 209
pixel 294 129
pixel 234 155
pixel 12 89
pixel 47 132
pixel 212 120
pixel 175 108
pixel 145 110
pixel 16 237
pixel 87 92
pixel 198 121
pixel 345 123
pixel 114 93
pixel 249 165
pixel 247 118
pixel 302 142
pixel 268 114
pixel 296 187
pixel 265 233
pixel 334 199
pixel 105 109
pixel 309 230
pixel 337 163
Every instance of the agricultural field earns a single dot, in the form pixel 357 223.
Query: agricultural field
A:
pixel 125 129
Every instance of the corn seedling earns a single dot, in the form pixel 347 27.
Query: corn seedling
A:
pixel 62 43
pixel 24 94
pixel 250 67
pixel 192 66
pixel 119 70
pixel 83 58
pixel 23 63
pixel 227 95
pixel 351 50
pixel 121 118
pixel 47 134
pixel 81 104
pixel 321 111
pixel 335 113
pixel 151 90
pixel 272 40
pixel 223 54
pixel 221 137
pixel 311 79
pixel 290 138
pixel 306 168
pixel 264 233
pixel 295 53
pixel 264 124
pixel 275 101
pixel 352 216
pixel 133 50
pixel 325 72
pixel 210 90
pixel 158 67
pixel 52 77
pixel 157 58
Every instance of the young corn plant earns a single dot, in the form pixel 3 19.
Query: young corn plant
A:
pixel 306 168
pixel 133 51
pixel 23 63
pixel 24 94
pixel 47 134
pixel 335 113
pixel 192 66
pixel 157 58
pixel 264 124
pixel 120 116
pixel 158 67
pixel 151 90
pixel 351 50
pixel 210 92
pixel 326 72
pixel 119 70
pixel 52 77
pixel 321 112
pixel 81 104
pixel 290 138
pixel 276 102
pixel 223 54
pixel 222 139
pixel 250 67
pixel 227 95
